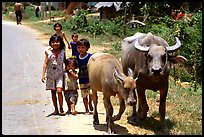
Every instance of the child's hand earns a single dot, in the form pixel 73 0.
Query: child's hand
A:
pixel 70 71
pixel 43 79
pixel 69 47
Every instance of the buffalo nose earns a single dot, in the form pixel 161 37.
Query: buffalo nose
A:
pixel 131 101
pixel 156 70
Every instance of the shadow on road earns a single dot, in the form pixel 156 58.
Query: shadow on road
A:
pixel 119 130
pixel 150 123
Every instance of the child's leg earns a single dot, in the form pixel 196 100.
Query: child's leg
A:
pixel 85 100
pixel 73 101
pixel 60 99
pixel 74 112
pixel 90 102
pixel 66 96
pixel 69 105
pixel 84 93
pixel 54 100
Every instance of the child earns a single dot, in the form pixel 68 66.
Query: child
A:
pixel 58 31
pixel 53 67
pixel 73 45
pixel 82 59
pixel 71 85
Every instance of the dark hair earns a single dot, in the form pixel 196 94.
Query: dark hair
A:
pixel 74 34
pixel 84 42
pixel 55 36
pixel 56 25
pixel 69 60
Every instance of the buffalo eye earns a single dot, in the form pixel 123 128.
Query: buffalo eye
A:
pixel 149 57
pixel 126 89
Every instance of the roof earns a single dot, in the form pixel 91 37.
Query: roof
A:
pixel 109 4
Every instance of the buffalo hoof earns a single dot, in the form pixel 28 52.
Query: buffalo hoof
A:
pixel 165 130
pixel 133 120
pixel 110 132
pixel 116 117
pixel 96 122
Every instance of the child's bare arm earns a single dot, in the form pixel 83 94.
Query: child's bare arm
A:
pixel 44 68
pixel 65 39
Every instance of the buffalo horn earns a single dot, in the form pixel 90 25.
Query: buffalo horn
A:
pixel 139 47
pixel 174 47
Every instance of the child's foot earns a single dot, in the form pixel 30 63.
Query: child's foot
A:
pixel 55 113
pixel 74 113
pixel 62 113
pixel 87 112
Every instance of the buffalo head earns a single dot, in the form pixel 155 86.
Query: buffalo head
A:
pixel 126 86
pixel 157 54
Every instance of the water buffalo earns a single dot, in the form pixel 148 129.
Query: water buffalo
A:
pixel 148 55
pixel 106 75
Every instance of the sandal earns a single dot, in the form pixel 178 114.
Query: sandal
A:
pixel 74 113
pixel 62 113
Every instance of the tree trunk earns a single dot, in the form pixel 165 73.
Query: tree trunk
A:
pixel 194 68
pixel 71 7
pixel 49 8
pixel 42 6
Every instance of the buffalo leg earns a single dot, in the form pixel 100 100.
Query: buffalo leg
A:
pixel 143 107
pixel 134 118
pixel 121 109
pixel 95 102
pixel 162 109
pixel 109 112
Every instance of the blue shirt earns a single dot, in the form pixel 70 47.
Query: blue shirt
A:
pixel 74 49
pixel 83 70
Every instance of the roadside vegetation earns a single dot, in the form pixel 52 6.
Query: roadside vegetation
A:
pixel 184 103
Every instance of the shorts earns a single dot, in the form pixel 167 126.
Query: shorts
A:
pixel 71 96
pixel 54 84
pixel 85 90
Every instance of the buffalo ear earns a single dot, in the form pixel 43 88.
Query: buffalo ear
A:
pixel 177 59
pixel 117 75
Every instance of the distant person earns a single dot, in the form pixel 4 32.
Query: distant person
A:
pixel 82 59
pixel 58 31
pixel 73 45
pixel 53 72
pixel 18 12
pixel 71 85
pixel 37 9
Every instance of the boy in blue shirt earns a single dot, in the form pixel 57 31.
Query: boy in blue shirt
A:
pixel 82 59
pixel 73 45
